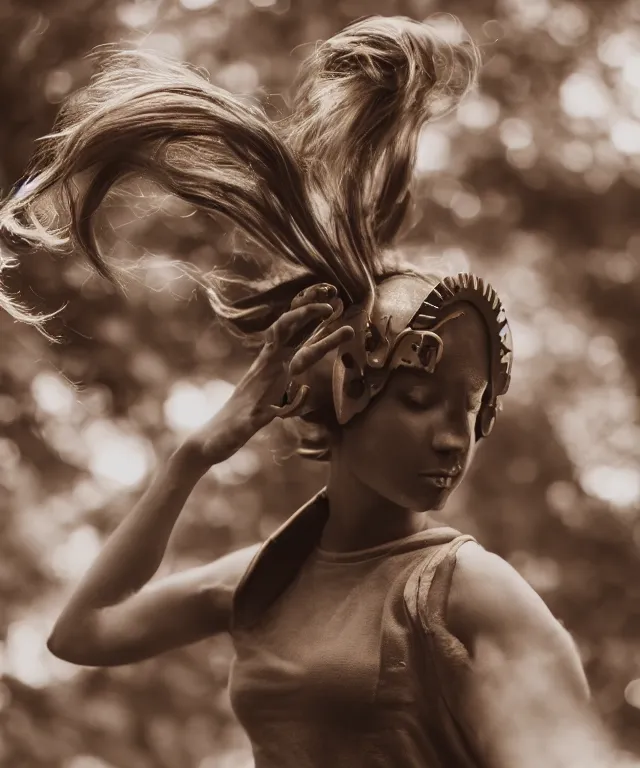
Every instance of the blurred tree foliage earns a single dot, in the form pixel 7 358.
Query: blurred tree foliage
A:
pixel 534 183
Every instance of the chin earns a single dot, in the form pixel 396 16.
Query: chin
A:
pixel 426 502
pixel 430 502
pixel 440 504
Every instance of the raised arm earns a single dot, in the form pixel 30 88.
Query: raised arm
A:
pixel 110 618
pixel 169 613
pixel 116 617
pixel 524 701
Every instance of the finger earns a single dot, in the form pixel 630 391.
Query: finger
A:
pixel 310 354
pixel 295 320
pixel 290 408
pixel 321 292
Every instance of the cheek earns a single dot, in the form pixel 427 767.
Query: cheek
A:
pixel 385 442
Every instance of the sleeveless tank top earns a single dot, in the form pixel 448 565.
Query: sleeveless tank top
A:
pixel 343 659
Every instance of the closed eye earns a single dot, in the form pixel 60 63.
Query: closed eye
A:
pixel 420 400
pixel 415 401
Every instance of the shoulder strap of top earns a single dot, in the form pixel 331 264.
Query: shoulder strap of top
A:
pixel 278 561
pixel 418 586
pixel 442 657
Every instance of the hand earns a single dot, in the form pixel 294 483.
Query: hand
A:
pixel 258 396
pixel 284 356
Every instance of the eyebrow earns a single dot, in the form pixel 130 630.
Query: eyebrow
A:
pixel 478 384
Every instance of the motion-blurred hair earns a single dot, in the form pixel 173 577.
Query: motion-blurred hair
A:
pixel 321 193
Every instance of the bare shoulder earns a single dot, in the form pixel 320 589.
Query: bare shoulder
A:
pixel 488 597
pixel 504 623
pixel 230 568
pixel 211 585
pixel 219 578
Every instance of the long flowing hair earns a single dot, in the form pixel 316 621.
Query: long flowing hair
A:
pixel 321 194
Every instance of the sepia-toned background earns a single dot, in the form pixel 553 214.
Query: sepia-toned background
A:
pixel 534 184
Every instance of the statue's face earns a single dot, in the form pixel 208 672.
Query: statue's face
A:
pixel 422 422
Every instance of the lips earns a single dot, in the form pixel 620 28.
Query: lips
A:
pixel 440 481
pixel 442 478
pixel 442 473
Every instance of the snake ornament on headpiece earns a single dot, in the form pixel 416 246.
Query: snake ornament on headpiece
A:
pixel 397 328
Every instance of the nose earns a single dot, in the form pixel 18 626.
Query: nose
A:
pixel 452 436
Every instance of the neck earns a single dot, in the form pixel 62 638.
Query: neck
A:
pixel 359 518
